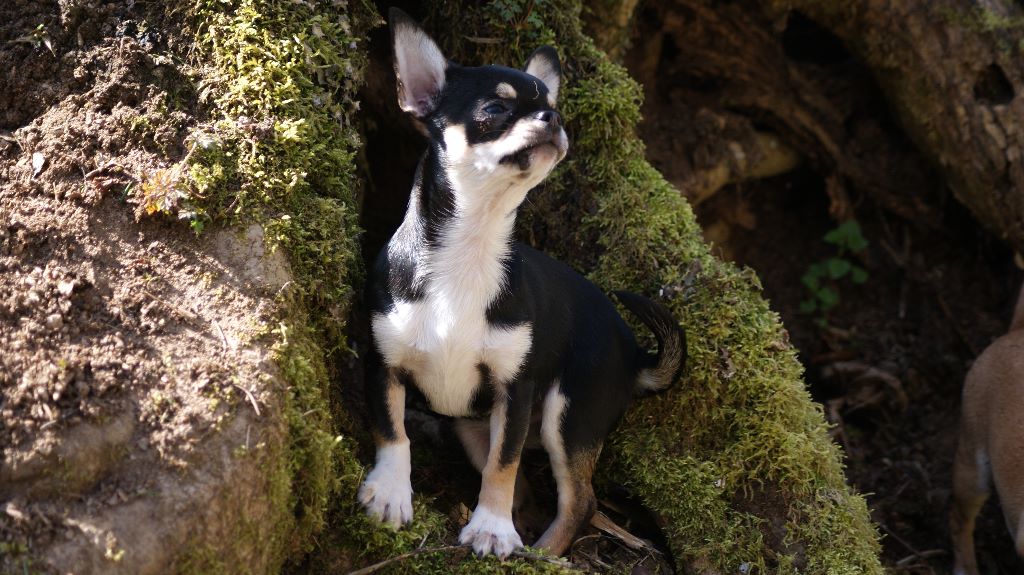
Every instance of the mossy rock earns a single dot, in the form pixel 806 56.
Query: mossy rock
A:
pixel 278 148
pixel 735 460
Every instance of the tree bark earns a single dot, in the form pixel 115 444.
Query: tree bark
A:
pixel 948 72
pixel 951 71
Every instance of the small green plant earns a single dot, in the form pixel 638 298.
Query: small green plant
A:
pixel 162 190
pixel 38 37
pixel 821 278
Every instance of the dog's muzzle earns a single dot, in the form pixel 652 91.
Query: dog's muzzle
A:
pixel 549 134
pixel 550 117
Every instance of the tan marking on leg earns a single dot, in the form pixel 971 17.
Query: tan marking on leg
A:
pixel 475 438
pixel 498 487
pixel 396 407
pixel 490 529
pixel 574 510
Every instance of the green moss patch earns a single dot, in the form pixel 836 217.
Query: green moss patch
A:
pixel 278 147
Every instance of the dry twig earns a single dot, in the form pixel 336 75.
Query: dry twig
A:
pixel 250 397
pixel 603 523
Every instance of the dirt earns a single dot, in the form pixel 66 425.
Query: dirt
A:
pixel 134 352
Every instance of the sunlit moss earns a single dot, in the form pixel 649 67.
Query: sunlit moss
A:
pixel 277 81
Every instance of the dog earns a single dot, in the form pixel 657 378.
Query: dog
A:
pixel 991 445
pixel 494 334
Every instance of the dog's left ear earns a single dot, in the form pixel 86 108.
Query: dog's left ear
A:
pixel 419 65
pixel 544 65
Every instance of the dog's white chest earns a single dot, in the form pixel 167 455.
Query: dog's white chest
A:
pixel 444 338
pixel 443 348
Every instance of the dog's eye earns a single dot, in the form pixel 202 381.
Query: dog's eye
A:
pixel 495 108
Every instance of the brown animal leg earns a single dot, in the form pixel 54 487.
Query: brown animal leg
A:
pixel 576 501
pixel 970 490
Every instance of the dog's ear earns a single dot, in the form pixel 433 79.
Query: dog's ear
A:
pixel 544 65
pixel 419 65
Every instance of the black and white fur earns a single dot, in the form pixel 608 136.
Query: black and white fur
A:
pixel 491 332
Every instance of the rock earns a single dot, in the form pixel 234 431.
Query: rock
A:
pixel 54 321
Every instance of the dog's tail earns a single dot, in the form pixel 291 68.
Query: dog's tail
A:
pixel 1018 314
pixel 660 370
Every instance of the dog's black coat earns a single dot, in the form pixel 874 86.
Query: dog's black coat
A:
pixel 578 341
pixel 578 338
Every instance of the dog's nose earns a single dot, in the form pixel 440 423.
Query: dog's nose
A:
pixel 549 117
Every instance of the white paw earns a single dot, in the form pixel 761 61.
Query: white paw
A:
pixel 490 533
pixel 387 492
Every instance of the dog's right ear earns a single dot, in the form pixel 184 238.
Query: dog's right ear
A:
pixel 419 65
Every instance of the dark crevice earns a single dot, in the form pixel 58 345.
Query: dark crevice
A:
pixel 993 87
pixel 804 40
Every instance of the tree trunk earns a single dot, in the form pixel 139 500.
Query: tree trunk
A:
pixel 949 72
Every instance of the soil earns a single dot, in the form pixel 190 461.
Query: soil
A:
pixel 132 357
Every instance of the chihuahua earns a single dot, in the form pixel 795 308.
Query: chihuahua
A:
pixel 991 447
pixel 490 332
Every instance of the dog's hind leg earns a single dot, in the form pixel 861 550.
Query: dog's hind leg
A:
pixel 573 469
pixel 475 435
pixel 971 480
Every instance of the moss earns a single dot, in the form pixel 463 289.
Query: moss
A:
pixel 279 149
pixel 740 437
pixel 277 79
pixel 249 542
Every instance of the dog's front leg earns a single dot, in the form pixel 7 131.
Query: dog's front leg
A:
pixel 490 530
pixel 387 491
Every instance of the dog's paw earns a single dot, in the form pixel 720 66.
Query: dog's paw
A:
pixel 387 497
pixel 490 533
pixel 387 492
